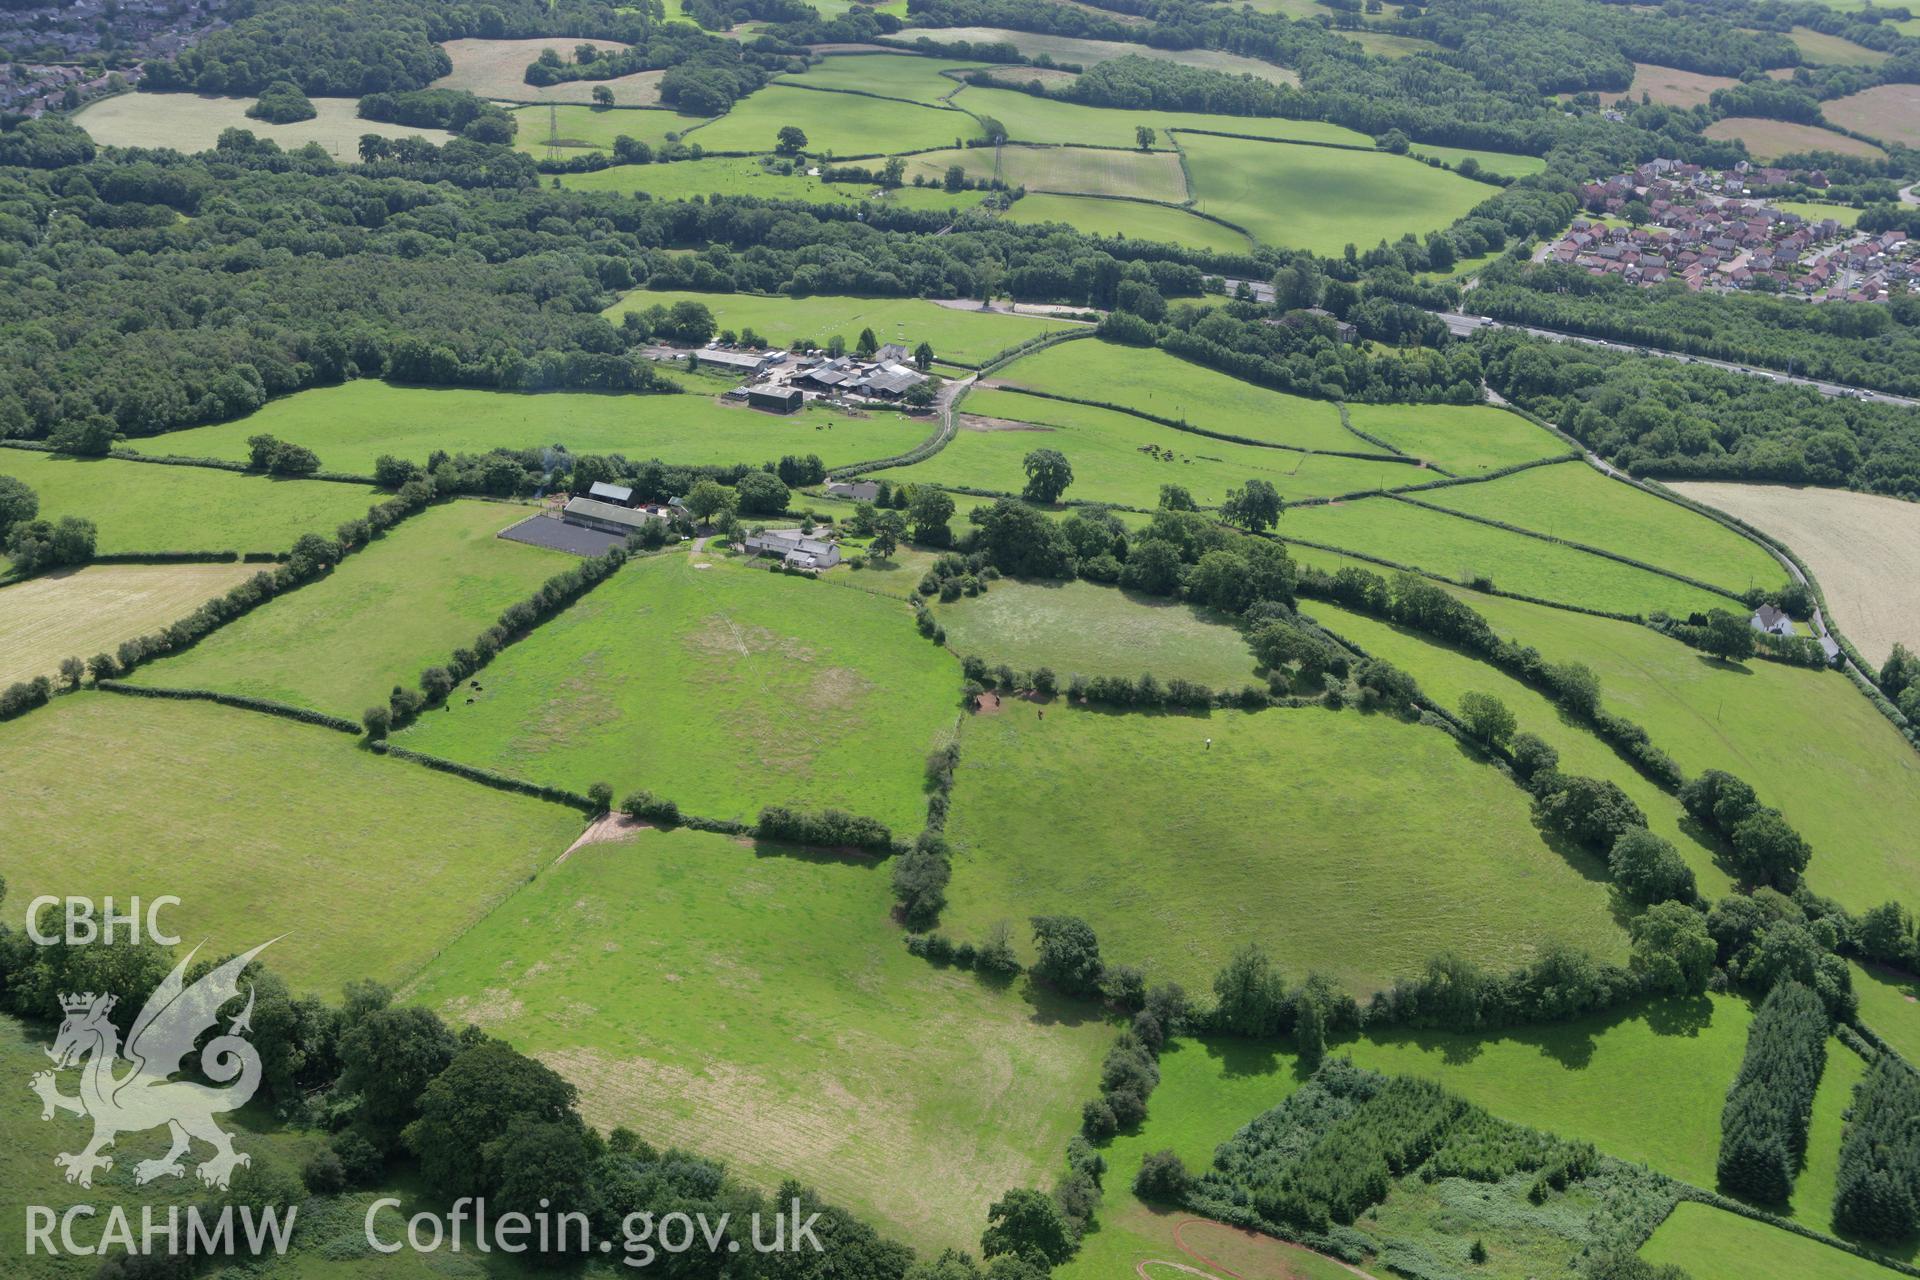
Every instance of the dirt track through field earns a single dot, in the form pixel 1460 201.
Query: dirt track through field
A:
pixel 1861 547
pixel 1271 1257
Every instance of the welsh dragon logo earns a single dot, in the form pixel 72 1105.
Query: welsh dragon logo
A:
pixel 146 1097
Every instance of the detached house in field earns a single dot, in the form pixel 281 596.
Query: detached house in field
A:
pixel 794 548
pixel 1772 621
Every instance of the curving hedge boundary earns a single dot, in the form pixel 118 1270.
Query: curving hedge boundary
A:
pixel 1700 1195
pixel 487 777
pixel 1602 552
pixel 285 710
pixel 1182 425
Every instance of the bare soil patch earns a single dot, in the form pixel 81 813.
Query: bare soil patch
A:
pixel 977 422
pixel 1862 547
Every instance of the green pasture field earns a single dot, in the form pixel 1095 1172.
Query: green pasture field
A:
pixel 351 425
pixel 838 124
pixel 1505 163
pixel 1832 51
pixel 1090 53
pixel 1644 1083
pixel 1841 773
pixel 1031 119
pixel 1082 627
pixel 1845 215
pixel 1819 1179
pixel 756 1005
pixel 959 333
pixel 1131 220
pixel 403 604
pixel 1092 171
pixel 1208 1090
pixel 1464 438
pixel 73 613
pixel 1152 381
pixel 1387 44
pixel 1447 674
pixel 1463 549
pixel 1301 829
pixel 1322 199
pixel 744 176
pixel 263 827
pixel 1890 1004
pixel 891 75
pixel 595 128
pixel 1712 1244
pixel 722 688
pixel 144 507
pixel 189 122
pixel 1111 461
pixel 1572 500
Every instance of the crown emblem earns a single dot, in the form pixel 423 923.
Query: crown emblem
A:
pixel 84 1001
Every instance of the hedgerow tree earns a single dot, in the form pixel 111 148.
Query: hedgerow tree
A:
pixel 1593 811
pixel 1766 850
pixel 761 494
pixel 1727 636
pixel 1672 952
pixel 1025 1221
pixel 1250 995
pixel 1255 507
pixel 1069 955
pixel 1487 718
pixel 1048 475
pixel 1648 868
pixel 929 512
pixel 790 141
pixel 18 504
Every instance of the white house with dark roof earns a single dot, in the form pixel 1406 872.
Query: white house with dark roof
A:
pixel 1772 621
pixel 794 548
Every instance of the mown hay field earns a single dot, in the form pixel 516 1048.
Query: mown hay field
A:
pixel 246 819
pixel 76 613
pixel 1464 438
pixel 1571 500
pixel 722 688
pixel 1321 198
pixel 497 69
pixel 842 124
pixel 1093 171
pixel 1768 140
pixel 1091 52
pixel 755 1005
pixel 746 176
pixel 960 333
pixel 385 614
pixel 351 425
pixel 1130 219
pixel 189 122
pixel 1671 87
pixel 1861 547
pixel 1301 829
pixel 1151 381
pixel 1121 459
pixel 1083 628
pixel 144 507
pixel 1463 550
